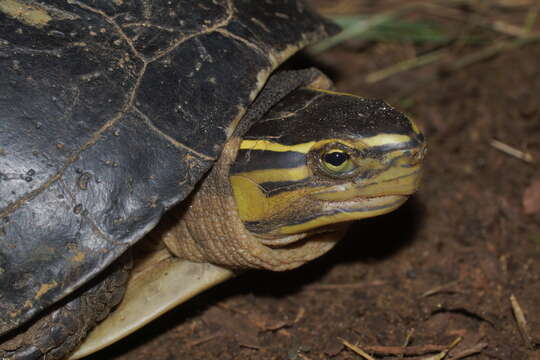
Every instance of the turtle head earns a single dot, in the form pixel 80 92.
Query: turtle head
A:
pixel 284 192
pixel 320 159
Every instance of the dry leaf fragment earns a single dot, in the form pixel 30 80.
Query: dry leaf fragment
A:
pixel 531 198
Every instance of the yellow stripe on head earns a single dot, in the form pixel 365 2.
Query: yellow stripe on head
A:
pixel 382 140
pixel 254 204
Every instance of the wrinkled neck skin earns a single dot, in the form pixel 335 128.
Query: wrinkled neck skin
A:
pixel 209 229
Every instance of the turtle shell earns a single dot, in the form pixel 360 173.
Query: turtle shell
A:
pixel 110 112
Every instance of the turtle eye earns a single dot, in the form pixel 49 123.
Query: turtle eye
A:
pixel 337 161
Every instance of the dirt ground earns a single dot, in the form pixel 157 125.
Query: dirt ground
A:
pixel 446 265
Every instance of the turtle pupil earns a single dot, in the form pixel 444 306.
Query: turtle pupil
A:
pixel 336 158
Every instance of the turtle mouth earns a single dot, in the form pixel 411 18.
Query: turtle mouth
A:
pixel 362 207
pixel 403 185
pixel 329 234
pixel 277 241
pixel 334 218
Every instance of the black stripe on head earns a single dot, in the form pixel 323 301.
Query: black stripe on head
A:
pixel 272 188
pixel 250 160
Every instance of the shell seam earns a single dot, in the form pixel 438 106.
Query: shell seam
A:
pixel 208 30
pixel 113 23
pixel 146 120
pixel 248 43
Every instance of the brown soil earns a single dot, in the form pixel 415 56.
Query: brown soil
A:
pixel 443 266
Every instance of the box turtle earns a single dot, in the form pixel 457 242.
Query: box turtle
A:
pixel 162 147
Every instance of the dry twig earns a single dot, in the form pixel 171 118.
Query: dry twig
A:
pixel 405 350
pixel 470 351
pixel 408 338
pixel 441 288
pixel 357 350
pixel 509 150
pixel 442 354
pixel 299 315
pixel 203 340
pixel 405 65
pixel 521 322
pixel 302 356
pixel 358 285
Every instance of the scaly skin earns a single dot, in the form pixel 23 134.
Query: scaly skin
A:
pixel 57 333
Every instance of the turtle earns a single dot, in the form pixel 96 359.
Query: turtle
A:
pixel 164 147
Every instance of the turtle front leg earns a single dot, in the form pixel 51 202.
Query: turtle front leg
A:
pixel 59 331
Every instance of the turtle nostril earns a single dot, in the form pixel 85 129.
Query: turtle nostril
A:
pixel 422 153
pixel 418 155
